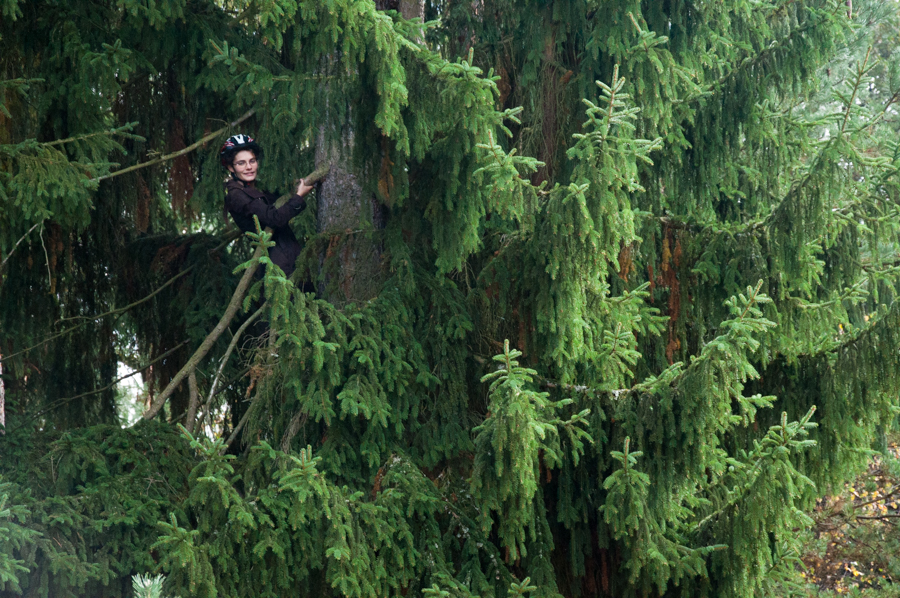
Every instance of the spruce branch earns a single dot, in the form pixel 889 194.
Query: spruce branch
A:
pixel 124 130
pixel 145 586
pixel 861 71
pixel 778 444
pixel 181 152
pixel 750 61
pixel 19 84
pixel 751 301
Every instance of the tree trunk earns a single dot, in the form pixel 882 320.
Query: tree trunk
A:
pixel 412 9
pixel 352 259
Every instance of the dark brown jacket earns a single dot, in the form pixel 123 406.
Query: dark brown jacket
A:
pixel 243 202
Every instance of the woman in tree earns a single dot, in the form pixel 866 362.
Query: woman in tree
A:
pixel 240 155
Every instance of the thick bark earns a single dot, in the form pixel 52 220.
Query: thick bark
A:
pixel 409 9
pixel 547 148
pixel 412 9
pixel 352 260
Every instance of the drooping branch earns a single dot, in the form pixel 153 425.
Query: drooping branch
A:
pixel 227 238
pixel 61 402
pixel 181 152
pixel 212 388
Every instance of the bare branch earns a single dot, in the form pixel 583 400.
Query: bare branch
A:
pixel 232 345
pixel 3 263
pixel 182 152
pixel 227 238
pixel 210 340
pixel 234 340
pixel 125 129
pixel 194 402
pixel 237 428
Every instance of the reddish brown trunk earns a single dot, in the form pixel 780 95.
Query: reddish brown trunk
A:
pixel 549 120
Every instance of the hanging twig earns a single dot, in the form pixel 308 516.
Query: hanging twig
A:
pixel 181 152
pixel 46 257
pixel 227 238
pixel 3 263
pixel 228 351
pixel 237 429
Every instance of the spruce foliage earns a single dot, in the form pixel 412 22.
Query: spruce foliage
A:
pixel 633 305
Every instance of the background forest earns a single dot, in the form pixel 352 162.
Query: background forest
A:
pixel 606 294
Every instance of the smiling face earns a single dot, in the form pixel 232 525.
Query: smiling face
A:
pixel 244 166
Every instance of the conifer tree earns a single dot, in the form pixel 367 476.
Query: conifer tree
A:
pixel 611 301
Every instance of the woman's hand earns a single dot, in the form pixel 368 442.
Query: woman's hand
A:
pixel 303 188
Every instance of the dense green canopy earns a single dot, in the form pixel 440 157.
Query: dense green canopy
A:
pixel 605 293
